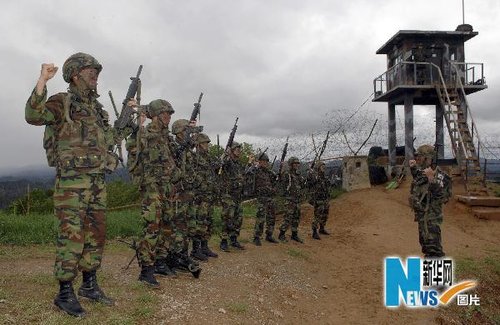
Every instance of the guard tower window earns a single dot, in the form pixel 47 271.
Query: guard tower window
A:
pixel 358 164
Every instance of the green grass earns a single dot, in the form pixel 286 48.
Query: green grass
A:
pixel 42 229
pixel 237 307
pixel 297 253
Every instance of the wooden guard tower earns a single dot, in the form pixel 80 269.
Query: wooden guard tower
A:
pixel 429 68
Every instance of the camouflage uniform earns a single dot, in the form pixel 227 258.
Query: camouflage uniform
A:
pixel 80 161
pixel 79 142
pixel 320 197
pixel 157 170
pixel 206 195
pixel 427 199
pixel 184 223
pixel 231 184
pixel 291 184
pixel 265 190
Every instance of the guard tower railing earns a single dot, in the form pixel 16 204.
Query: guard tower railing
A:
pixel 417 74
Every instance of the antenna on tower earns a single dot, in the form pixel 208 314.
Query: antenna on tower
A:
pixel 463 12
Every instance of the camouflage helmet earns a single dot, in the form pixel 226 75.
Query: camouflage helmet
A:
pixel 293 160
pixel 263 157
pixel 202 138
pixel 235 145
pixel 425 150
pixel 179 126
pixel 158 106
pixel 76 63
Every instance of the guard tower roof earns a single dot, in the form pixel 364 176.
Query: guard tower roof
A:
pixel 463 34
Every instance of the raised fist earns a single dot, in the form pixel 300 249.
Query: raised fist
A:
pixel 48 71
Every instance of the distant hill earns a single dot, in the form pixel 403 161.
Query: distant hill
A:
pixel 15 181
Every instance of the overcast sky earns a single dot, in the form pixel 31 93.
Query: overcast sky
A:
pixel 284 67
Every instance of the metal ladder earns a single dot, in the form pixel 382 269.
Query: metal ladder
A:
pixel 457 112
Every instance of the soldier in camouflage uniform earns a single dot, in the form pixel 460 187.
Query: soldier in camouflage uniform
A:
pixel 320 198
pixel 156 167
pixel 231 183
pixel 430 189
pixel 205 198
pixel 291 184
pixel 264 188
pixel 183 209
pixel 79 142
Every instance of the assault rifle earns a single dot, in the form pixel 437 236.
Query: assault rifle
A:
pixel 230 141
pixel 282 160
pixel 134 89
pixel 196 111
pixel 118 145
pixel 322 150
pixel 135 247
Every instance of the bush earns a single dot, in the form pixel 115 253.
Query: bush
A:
pixel 38 201
pixel 120 193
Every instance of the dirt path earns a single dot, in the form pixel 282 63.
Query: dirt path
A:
pixel 337 280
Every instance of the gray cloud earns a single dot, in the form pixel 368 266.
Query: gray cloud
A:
pixel 281 66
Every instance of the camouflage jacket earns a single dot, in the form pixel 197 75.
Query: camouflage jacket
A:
pixel 207 168
pixel 319 186
pixel 189 180
pixel 232 179
pixel 423 192
pixel 291 185
pixel 265 181
pixel 78 137
pixel 155 161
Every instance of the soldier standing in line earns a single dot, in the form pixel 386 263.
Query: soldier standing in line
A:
pixel 231 183
pixel 183 208
pixel 264 188
pixel 79 142
pixel 291 183
pixel 157 171
pixel 320 198
pixel 430 189
pixel 205 198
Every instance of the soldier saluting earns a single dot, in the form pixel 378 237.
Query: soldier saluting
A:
pixel 79 142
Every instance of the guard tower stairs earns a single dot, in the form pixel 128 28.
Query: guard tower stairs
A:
pixel 462 130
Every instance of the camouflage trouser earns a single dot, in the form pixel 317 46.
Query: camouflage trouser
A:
pixel 265 214
pixel 154 212
pixel 182 223
pixel 429 233
pixel 232 218
pixel 204 215
pixel 292 216
pixel 321 209
pixel 80 205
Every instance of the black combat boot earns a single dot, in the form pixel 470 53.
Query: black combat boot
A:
pixel 323 231
pixel 66 300
pixel 90 289
pixel 196 253
pixel 162 268
pixel 206 250
pixel 236 244
pixel 315 233
pixel 282 237
pixel 223 245
pixel 147 276
pixel 256 241
pixel 270 238
pixel 295 236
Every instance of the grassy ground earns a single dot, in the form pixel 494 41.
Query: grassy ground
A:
pixel 487 272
